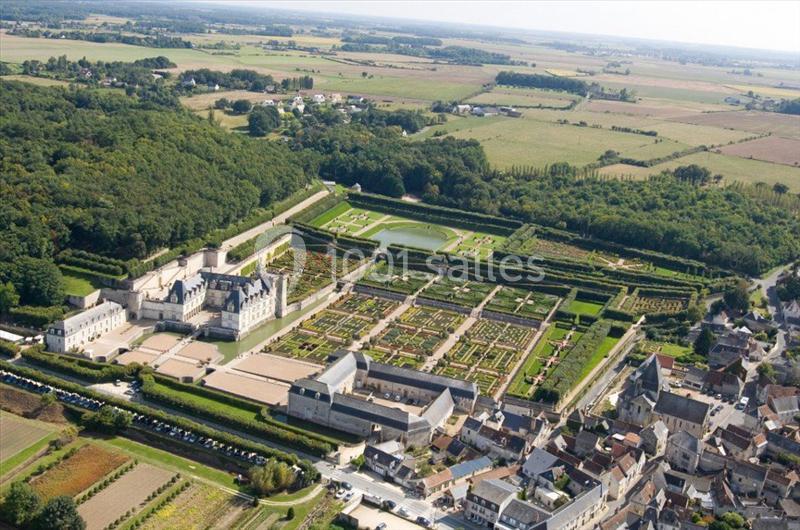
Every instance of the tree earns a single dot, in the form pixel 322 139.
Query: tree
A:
pixel 780 188
pixel 222 104
pixel 107 420
pixel 737 297
pixel 8 297
pixel 59 512
pixel 20 504
pixel 703 342
pixel 358 462
pixel 241 106
pixel 263 120
pixel 733 519
pixel 290 513
pixel 271 477
pixel 38 282
pixel 719 525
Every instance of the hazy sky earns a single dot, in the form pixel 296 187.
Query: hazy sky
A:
pixel 752 24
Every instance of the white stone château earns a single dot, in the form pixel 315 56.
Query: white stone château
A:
pixel 244 303
pixel 75 332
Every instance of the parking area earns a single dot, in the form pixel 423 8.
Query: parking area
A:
pixel 371 517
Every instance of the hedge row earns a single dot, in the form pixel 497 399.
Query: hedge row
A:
pixel 426 212
pixel 93 262
pixel 317 209
pixel 567 374
pixel 80 368
pixel 8 349
pixel 36 316
pixel 178 421
pixel 301 440
pixel 248 248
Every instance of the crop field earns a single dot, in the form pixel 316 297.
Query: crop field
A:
pixel 18 434
pixel 770 149
pixel 372 307
pixel 75 474
pixel 751 121
pixel 522 302
pixel 409 340
pixel 128 493
pixel 528 141
pixel 338 325
pixel 501 334
pixel 200 506
pixel 431 318
pixel 302 345
pixel 520 97
pixel 461 292
pixel 732 168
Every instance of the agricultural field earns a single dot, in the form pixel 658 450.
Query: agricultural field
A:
pixel 409 340
pixel 770 149
pixel 460 292
pixel 385 276
pixel 732 168
pixel 338 325
pixel 20 437
pixel 298 344
pixel 69 477
pixel 522 303
pixel 521 97
pixel 126 495
pixel 372 307
pixel 751 121
pixel 431 319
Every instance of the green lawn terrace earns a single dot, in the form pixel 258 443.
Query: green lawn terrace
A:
pixel 392 229
pixel 393 278
pixel 522 303
pixel 459 292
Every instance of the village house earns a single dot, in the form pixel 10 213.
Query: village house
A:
pixel 682 413
pixel 747 479
pixel 683 451
pixel 486 500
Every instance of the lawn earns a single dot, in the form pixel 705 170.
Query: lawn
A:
pixel 584 307
pixel 77 283
pixel 665 348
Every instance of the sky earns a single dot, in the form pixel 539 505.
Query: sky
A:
pixel 771 25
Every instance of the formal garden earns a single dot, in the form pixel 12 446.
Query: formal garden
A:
pixel 522 302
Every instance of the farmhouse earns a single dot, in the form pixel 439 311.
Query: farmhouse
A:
pixel 330 399
pixel 244 303
pixel 75 332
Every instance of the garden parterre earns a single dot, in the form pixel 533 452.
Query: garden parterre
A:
pixel 522 302
pixel 431 319
pixel 394 278
pixel 368 306
pixel 461 292
pixel 299 344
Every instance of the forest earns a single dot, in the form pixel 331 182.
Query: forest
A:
pixel 550 82
pixel 722 226
pixel 122 176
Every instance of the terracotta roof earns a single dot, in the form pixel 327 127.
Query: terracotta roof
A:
pixel 438 479
pixel 665 361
